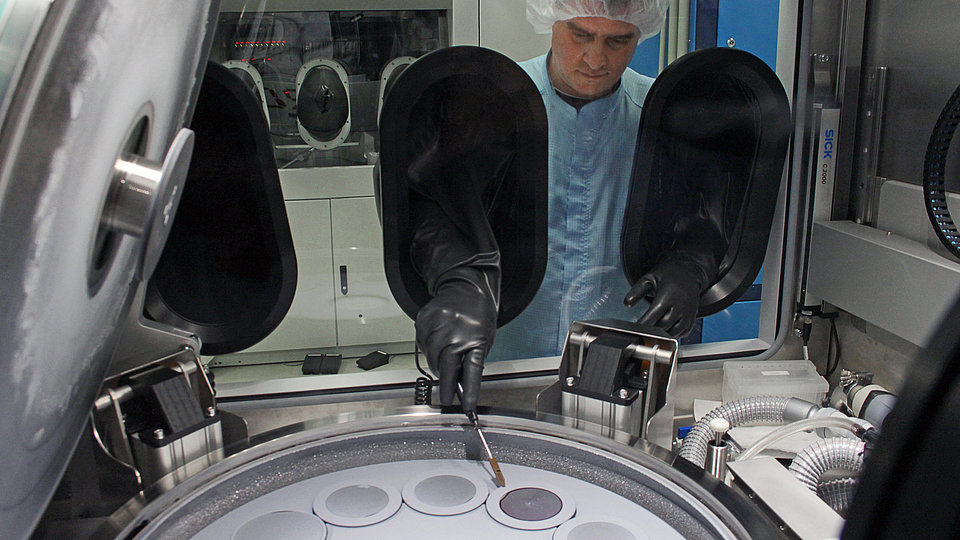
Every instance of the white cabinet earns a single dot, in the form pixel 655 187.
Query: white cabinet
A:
pixel 311 321
pixel 342 298
pixel 366 310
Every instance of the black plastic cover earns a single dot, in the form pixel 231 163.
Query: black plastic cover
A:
pixel 323 104
pixel 228 272
pixel 473 81
pixel 373 360
pixel 711 149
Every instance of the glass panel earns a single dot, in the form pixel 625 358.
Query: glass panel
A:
pixel 278 44
pixel 332 58
pixel 752 27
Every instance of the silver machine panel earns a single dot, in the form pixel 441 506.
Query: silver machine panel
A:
pixel 76 251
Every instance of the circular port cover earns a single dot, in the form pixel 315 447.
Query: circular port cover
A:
pixel 353 504
pixel 444 493
pixel 530 507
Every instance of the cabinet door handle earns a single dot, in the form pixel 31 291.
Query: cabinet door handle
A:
pixel 343 279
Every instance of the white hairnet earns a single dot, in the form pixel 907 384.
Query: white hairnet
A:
pixel 646 15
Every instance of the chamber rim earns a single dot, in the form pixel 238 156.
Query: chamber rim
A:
pixel 649 467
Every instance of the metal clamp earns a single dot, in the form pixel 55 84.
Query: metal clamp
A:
pixel 144 196
pixel 621 390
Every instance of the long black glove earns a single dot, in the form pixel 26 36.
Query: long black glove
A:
pixel 459 158
pixel 455 329
pixel 673 286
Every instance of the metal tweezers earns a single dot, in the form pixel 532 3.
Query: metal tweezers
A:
pixel 472 416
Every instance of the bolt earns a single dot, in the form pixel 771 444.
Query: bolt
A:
pixel 211 411
pixel 570 381
pixel 731 42
pixel 797 332
pixel 158 434
pixel 823 58
pixel 623 393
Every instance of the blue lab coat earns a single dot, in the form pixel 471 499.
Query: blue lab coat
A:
pixel 591 157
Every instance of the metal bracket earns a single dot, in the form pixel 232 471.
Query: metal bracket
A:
pixel 140 414
pixel 144 197
pixel 616 380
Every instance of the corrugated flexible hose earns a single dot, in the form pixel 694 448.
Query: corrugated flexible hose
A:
pixel 766 409
pixel 838 493
pixel 836 453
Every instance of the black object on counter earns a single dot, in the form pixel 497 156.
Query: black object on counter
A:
pixel 323 364
pixel 373 360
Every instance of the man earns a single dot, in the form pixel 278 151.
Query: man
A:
pixel 593 103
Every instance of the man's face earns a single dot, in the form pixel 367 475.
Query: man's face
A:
pixel 589 54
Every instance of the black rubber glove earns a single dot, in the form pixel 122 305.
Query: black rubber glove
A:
pixel 455 330
pixel 460 150
pixel 673 289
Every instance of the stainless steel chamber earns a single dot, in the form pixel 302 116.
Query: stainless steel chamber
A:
pixel 691 503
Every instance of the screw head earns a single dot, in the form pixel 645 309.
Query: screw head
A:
pixel 623 393
pixel 570 381
pixel 211 411
pixel 159 434
pixel 731 42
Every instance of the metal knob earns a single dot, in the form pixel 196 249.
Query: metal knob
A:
pixel 720 427
pixel 717 449
pixel 144 197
